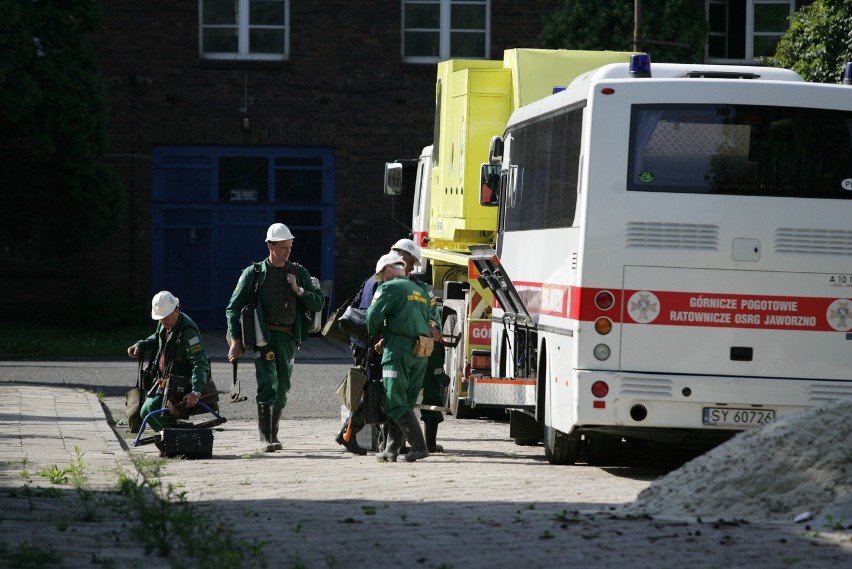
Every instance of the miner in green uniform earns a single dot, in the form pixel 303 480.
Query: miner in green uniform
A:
pixel 434 372
pixel 284 294
pixel 399 314
pixel 179 351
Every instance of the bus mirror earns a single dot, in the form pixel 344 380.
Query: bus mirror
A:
pixel 489 184
pixel 495 150
pixel 393 178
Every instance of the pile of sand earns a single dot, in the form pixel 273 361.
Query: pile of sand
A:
pixel 801 463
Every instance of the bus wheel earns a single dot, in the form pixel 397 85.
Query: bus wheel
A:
pixel 526 442
pixel 560 448
pixel 603 450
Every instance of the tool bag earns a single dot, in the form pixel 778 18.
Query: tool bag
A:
pixel 423 346
pixel 250 327
pixel 350 389
pixel 134 398
pixel 188 443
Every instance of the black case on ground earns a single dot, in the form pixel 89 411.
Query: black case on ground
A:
pixel 189 443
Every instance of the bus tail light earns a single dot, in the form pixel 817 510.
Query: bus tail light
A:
pixel 602 352
pixel 600 389
pixel 604 300
pixel 603 326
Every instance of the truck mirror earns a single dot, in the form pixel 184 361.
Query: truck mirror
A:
pixel 393 178
pixel 489 184
pixel 495 150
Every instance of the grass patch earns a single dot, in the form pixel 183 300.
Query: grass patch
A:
pixel 21 341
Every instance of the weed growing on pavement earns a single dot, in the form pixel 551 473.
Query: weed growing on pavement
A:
pixel 546 534
pixel 330 561
pixel 835 524
pixel 566 516
pixel 170 523
pixel 76 471
pixel 29 556
pixel 54 474
pixel 369 510
pixel 297 528
pixel 790 560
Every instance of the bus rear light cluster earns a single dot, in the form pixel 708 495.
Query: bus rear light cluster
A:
pixel 602 352
pixel 604 300
pixel 600 389
pixel 603 326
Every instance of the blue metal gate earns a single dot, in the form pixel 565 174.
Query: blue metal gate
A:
pixel 211 207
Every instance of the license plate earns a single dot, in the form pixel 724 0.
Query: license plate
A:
pixel 738 418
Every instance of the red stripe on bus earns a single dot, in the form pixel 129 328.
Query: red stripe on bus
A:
pixel 674 308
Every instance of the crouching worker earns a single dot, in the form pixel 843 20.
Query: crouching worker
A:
pixel 399 314
pixel 179 352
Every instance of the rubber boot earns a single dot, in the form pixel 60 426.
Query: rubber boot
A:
pixel 414 435
pixel 357 420
pixel 431 432
pixel 264 414
pixel 393 442
pixel 274 420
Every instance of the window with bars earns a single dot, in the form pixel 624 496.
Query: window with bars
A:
pixel 436 30
pixel 244 29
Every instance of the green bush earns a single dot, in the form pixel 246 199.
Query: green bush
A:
pixel 818 42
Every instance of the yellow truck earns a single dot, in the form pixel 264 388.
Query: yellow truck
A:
pixel 473 102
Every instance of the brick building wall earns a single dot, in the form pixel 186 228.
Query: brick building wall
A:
pixel 343 87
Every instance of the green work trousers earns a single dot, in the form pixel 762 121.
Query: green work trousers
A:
pixel 157 422
pixel 403 379
pixel 273 365
pixel 432 376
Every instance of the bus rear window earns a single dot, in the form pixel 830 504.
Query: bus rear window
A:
pixel 743 150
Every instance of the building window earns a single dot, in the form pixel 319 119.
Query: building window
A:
pixel 244 29
pixel 435 30
pixel 742 30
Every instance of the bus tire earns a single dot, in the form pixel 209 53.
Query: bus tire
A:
pixel 560 448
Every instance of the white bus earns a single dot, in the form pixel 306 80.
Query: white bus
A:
pixel 681 245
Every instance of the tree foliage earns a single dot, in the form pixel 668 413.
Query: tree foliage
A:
pixel 818 42
pixel 58 194
pixel 673 31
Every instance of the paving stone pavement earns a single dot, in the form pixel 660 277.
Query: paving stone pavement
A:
pixel 485 502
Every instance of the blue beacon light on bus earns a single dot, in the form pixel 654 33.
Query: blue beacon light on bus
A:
pixel 847 73
pixel 640 65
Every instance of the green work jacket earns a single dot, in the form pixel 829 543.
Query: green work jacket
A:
pixel 399 313
pixel 313 301
pixel 184 350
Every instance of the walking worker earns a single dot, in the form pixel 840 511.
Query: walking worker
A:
pixel 399 314
pixel 434 372
pixel 284 294
pixel 179 351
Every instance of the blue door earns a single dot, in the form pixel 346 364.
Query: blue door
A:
pixel 211 207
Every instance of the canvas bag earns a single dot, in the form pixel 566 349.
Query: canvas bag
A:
pixel 350 389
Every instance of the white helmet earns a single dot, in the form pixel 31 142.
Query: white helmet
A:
pixel 408 246
pixel 388 259
pixel 163 304
pixel 278 232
